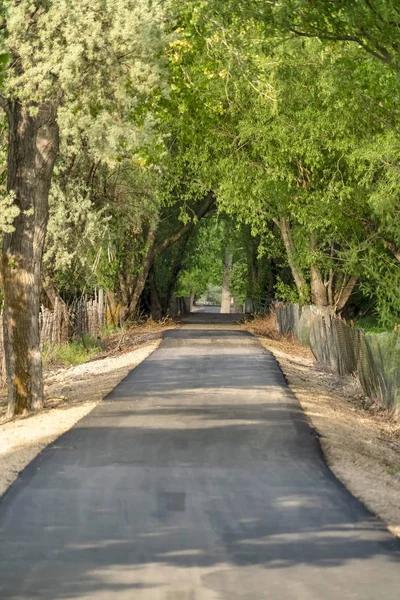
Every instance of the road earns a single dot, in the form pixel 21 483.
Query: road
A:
pixel 198 479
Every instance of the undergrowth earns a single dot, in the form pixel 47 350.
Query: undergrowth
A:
pixel 264 326
pixel 371 324
pixel 72 354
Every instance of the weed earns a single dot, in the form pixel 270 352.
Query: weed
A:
pixel 74 353
pixel 393 470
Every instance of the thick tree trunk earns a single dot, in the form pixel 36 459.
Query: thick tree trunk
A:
pixel 113 309
pixel 226 295
pixel 319 295
pixel 32 150
pixel 299 279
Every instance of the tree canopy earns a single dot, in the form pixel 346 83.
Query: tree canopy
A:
pixel 144 140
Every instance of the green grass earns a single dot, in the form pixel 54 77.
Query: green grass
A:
pixel 371 324
pixel 72 354
pixel 393 470
pixel 108 330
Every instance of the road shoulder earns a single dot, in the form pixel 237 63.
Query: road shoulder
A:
pixel 360 441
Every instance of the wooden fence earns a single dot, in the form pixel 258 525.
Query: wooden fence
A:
pixel 84 316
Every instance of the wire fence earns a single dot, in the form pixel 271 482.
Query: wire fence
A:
pixel 373 358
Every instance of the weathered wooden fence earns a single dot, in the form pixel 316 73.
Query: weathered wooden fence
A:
pixel 347 350
pixel 83 316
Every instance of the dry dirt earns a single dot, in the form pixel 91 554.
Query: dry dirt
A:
pixel 360 441
pixel 70 394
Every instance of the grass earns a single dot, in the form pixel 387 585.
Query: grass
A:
pixel 371 324
pixel 72 354
pixel 393 470
pixel 109 330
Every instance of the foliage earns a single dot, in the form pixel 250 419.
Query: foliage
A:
pixel 285 110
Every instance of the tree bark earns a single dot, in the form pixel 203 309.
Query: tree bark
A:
pixel 299 279
pixel 143 271
pixel 113 309
pixel 343 295
pixel 156 309
pixel 319 295
pixel 226 295
pixel 32 150
pixel 318 289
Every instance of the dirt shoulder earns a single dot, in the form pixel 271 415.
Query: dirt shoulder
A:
pixel 70 394
pixel 360 441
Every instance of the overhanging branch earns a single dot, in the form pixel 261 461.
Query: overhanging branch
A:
pixel 178 235
pixel 383 57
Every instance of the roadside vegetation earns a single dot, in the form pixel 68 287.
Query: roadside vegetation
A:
pixel 72 353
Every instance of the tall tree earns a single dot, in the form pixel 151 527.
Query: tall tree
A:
pixel 80 68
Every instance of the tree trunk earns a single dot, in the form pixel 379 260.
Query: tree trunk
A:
pixel 299 279
pixel 156 309
pixel 143 272
pixel 32 150
pixel 113 309
pixel 319 295
pixel 226 295
pixel 318 289
pixel 342 296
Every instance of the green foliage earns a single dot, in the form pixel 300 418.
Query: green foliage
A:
pixel 212 296
pixel 8 212
pixel 287 111
pixel 203 262
pixel 286 293
pixel 74 353
pixel 238 281
pixel 371 324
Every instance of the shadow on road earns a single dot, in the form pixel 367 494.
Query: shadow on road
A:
pixel 200 471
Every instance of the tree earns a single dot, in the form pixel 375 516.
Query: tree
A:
pixel 373 25
pixel 83 68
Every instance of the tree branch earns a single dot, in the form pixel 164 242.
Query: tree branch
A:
pixel 202 211
pixel 386 58
pixel 393 249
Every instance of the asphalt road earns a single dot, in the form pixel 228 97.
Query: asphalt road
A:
pixel 198 479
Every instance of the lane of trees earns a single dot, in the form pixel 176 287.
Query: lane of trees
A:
pixel 142 142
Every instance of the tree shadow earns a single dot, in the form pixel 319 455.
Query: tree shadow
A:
pixel 192 481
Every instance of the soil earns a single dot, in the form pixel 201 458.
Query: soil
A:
pixel 70 394
pixel 360 440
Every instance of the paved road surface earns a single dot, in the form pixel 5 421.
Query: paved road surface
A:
pixel 198 479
